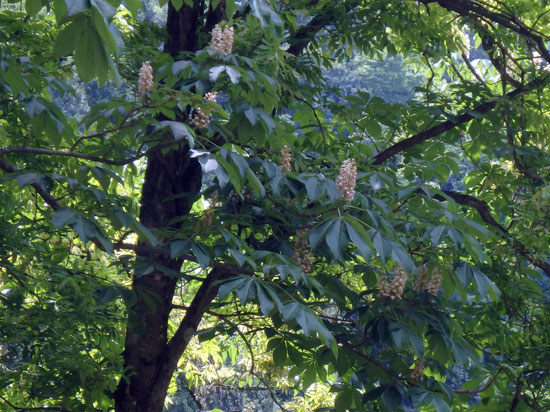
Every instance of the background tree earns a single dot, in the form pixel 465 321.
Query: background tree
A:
pixel 222 196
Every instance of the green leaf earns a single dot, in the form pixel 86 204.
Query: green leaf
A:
pixel 246 291
pixel 436 234
pixel 382 246
pixel 266 304
pixel 360 238
pixel 318 233
pixel 343 400
pixel 32 7
pixel 108 37
pixel 334 238
pixel 255 183
pixel 233 74
pixel 238 256
pixel 179 130
pixel 77 6
pixel 241 164
pixel 215 72
pixel 485 286
pixel 133 6
pixel 440 404
pixel 63 217
pixel 392 398
pixel 90 56
pixel 201 253
pixel 314 188
pixel 231 285
pixel 401 256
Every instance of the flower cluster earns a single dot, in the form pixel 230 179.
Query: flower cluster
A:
pixel 222 40
pixel 345 182
pixel 249 407
pixel 201 119
pixel 302 254
pixel 393 290
pixel 417 374
pixel 432 286
pixel 285 165
pixel 145 81
pixel 426 283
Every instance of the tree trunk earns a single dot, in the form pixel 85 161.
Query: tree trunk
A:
pixel 146 336
pixel 150 359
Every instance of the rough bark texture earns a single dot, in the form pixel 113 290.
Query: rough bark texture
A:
pixel 149 358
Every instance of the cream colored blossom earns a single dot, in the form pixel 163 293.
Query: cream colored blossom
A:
pixel 145 81
pixel 422 279
pixel 285 165
pixel 222 40
pixel 435 281
pixel 200 119
pixel 395 289
pixel 426 282
pixel 302 254
pixel 417 374
pixel 345 182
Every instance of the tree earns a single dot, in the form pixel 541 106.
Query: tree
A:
pixel 253 210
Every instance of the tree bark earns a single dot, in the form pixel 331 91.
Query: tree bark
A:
pixel 149 358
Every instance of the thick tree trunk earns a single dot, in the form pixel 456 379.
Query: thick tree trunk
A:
pixel 149 358
pixel 146 337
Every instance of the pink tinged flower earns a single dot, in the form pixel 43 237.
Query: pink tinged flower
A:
pixel 222 40
pixel 346 180
pixel 145 81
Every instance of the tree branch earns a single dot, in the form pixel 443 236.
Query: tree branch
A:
pixel 305 34
pixel 485 212
pixel 448 125
pixel 49 199
pixel 50 152
pixel 43 408
pixel 487 386
pixel 469 8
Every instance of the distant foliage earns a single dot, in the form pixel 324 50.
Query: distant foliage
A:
pixel 389 78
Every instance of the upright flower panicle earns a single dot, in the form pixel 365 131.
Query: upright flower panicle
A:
pixel 200 119
pixel 345 182
pixel 145 81
pixel 222 40
pixel 285 165
pixel 426 282
pixel 302 254
pixel 417 374
pixel 393 290
pixel 435 281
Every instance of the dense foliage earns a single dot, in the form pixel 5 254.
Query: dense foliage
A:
pixel 227 209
